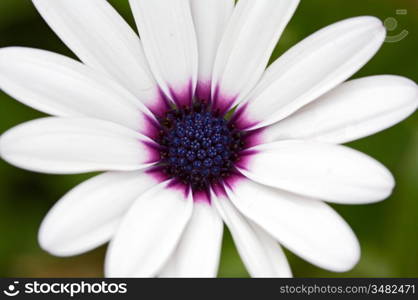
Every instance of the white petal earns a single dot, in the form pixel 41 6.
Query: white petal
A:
pixel 330 172
pixel 261 254
pixel 149 232
pixel 100 37
pixel 75 145
pixel 198 252
pixel 61 86
pixel 210 19
pixel 89 215
pixel 245 49
pixel 312 68
pixel 309 228
pixel 354 110
pixel 167 32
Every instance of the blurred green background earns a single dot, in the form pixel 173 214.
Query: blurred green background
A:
pixel 388 231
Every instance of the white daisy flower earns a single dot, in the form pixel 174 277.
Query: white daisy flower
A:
pixel 192 131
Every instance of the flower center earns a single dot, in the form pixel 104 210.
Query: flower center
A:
pixel 198 145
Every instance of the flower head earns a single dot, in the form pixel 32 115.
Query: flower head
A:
pixel 193 131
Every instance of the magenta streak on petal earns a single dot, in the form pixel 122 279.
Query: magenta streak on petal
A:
pixel 241 118
pixel 203 91
pixel 179 186
pixel 232 181
pixel 157 173
pixel 245 159
pixel 161 104
pixel 183 96
pixel 219 189
pixel 202 196
pixel 253 138
pixel 151 128
pixel 222 102
pixel 153 151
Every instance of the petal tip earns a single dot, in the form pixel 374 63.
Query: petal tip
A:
pixel 47 244
pixel 372 24
pixel 47 241
pixel 372 20
pixel 5 154
pixel 388 184
pixel 350 258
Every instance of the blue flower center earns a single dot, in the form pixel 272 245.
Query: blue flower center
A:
pixel 199 146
